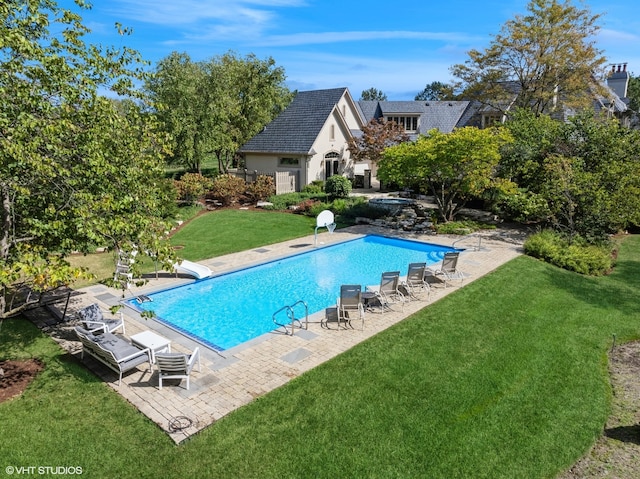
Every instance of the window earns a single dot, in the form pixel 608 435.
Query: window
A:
pixel 332 132
pixel 290 162
pixel 331 164
pixel 491 119
pixel 410 123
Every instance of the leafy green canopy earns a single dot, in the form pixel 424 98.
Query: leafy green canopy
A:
pixel 373 94
pixel 215 106
pixel 76 168
pixel 454 167
pixel 436 91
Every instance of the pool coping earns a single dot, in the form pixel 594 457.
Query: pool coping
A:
pixel 237 376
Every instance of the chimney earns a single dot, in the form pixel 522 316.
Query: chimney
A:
pixel 618 79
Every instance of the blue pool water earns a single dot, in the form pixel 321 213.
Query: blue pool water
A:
pixel 232 308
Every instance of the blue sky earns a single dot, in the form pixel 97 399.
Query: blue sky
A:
pixel 396 48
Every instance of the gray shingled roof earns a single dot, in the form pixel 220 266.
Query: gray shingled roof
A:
pixel 443 115
pixel 297 127
pixel 369 109
pixel 398 107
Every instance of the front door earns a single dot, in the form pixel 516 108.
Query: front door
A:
pixel 331 168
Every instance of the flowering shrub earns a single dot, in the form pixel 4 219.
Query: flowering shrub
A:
pixel 227 189
pixel 305 207
pixel 192 186
pixel 262 188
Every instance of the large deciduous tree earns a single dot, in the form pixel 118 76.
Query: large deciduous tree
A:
pixel 76 168
pixel 254 92
pixel 633 93
pixel 542 60
pixel 454 167
pixel 213 107
pixel 183 96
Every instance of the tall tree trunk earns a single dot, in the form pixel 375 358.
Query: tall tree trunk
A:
pixel 5 220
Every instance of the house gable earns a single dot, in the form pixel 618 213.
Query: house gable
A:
pixel 296 129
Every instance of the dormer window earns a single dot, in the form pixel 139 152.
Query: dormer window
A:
pixel 410 123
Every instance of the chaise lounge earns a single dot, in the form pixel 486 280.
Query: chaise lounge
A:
pixel 388 292
pixel 114 352
pixel 350 301
pixel 448 270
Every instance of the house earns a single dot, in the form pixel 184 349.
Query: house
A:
pixel 616 103
pixel 611 99
pixel 308 141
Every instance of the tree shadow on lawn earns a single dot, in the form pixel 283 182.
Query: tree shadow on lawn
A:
pixel 617 291
pixel 629 434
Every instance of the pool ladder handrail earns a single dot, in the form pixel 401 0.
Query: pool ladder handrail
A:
pixel 470 236
pixel 292 317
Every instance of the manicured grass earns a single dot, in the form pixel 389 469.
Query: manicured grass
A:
pixel 212 234
pixel 101 265
pixel 504 378
pixel 229 231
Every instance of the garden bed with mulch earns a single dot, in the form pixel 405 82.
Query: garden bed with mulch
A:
pixel 15 376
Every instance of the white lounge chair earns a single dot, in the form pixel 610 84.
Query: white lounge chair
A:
pixel 113 351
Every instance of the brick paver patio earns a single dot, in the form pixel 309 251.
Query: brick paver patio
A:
pixel 235 377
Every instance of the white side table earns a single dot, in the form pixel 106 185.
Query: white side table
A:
pixel 154 342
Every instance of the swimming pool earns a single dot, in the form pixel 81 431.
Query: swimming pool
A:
pixel 227 310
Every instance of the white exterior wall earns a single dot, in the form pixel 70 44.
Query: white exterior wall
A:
pixel 268 163
pixel 346 109
pixel 325 143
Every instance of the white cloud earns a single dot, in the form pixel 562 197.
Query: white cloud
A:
pixel 192 12
pixel 618 37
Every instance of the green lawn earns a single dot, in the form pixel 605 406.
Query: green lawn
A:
pixel 229 231
pixel 212 234
pixel 505 378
